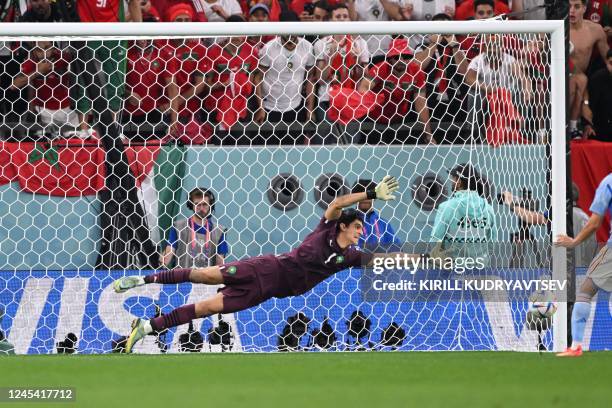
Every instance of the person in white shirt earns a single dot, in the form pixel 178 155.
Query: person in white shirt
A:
pixel 424 10
pixel 375 10
pixel 340 59
pixel 495 68
pixel 286 64
pixel 220 10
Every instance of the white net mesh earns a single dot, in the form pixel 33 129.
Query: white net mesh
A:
pixel 105 138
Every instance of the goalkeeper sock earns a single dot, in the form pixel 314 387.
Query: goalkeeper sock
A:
pixel 573 125
pixel 178 316
pixel 580 315
pixel 171 276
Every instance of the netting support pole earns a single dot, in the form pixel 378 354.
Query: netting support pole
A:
pixel 559 176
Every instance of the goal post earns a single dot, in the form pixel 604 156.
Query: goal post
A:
pixel 270 195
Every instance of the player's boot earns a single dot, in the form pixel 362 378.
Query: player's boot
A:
pixel 137 333
pixel 570 352
pixel 127 282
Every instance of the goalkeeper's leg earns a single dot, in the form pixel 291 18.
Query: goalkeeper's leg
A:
pixel 210 276
pixel 180 315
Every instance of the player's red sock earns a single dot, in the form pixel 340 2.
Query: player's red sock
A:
pixel 178 316
pixel 171 276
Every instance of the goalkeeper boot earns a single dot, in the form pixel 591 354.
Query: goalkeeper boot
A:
pixel 127 282
pixel 570 352
pixel 138 333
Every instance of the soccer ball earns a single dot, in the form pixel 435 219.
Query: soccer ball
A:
pixel 543 309
pixel 541 305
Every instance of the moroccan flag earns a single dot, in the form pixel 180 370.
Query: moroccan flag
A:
pixel 160 191
pixel 73 168
pixel 47 168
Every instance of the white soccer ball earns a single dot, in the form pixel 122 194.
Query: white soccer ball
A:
pixel 543 309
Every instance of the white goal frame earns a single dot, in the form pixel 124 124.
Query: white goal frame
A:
pixel 26 31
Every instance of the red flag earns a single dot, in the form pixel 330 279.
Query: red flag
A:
pixel 65 168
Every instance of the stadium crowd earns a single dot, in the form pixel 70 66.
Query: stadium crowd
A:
pixel 213 89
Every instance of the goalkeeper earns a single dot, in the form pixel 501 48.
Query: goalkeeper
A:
pixel 465 223
pixel 330 248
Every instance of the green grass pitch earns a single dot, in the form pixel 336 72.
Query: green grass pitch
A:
pixel 314 380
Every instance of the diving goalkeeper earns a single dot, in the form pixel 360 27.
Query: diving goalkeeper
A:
pixel 330 248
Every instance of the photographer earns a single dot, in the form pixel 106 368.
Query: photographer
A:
pixel 445 65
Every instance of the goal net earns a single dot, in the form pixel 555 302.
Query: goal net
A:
pixel 110 140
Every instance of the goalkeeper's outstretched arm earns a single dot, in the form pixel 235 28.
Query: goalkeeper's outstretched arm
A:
pixel 383 191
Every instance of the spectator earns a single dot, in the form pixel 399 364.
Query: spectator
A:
pixel 287 66
pixel 187 65
pixel 46 71
pixel 445 65
pixel 584 35
pixel 315 11
pixel 533 9
pixel 402 83
pixel 341 59
pixel 480 9
pixel 259 13
pixel 149 12
pixel 42 11
pixel 374 10
pixel 578 82
pixel 197 242
pixel 320 11
pixel 600 12
pixel 499 78
pixel 95 11
pixel 376 230
pixel 10 61
pixel 105 59
pixel 233 62
pixel 220 10
pixel 196 7
pixel 420 10
pixel 146 80
pixel 597 110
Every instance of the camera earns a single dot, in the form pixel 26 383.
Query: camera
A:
pixel 309 8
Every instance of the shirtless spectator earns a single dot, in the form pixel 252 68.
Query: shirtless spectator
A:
pixel 584 35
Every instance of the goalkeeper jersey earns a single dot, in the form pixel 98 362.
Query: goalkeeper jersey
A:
pixel 464 224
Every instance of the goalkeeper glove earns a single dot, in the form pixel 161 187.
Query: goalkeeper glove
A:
pixel 385 189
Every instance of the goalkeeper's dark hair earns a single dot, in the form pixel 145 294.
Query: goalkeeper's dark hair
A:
pixel 349 215
pixel 469 177
pixel 363 185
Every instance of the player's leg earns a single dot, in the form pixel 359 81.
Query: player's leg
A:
pixel 580 315
pixel 177 317
pixel 598 276
pixel 210 276
pixel 578 84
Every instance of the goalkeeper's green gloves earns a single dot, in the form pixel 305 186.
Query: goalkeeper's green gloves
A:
pixel 385 189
